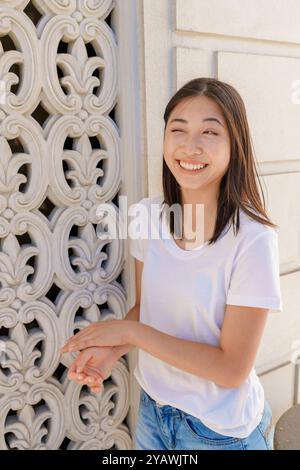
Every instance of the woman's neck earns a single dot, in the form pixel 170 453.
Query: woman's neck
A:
pixel 205 217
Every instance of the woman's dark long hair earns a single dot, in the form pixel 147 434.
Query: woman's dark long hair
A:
pixel 238 187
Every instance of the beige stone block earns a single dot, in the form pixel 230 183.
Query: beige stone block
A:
pixel 283 328
pixel 192 63
pixel 158 86
pixel 274 20
pixel 283 199
pixel 279 389
pixel 265 84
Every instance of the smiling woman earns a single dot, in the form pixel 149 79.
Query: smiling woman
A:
pixel 213 297
pixel 206 122
pixel 196 135
pixel 202 310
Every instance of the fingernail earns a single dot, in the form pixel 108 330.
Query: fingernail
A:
pixel 80 376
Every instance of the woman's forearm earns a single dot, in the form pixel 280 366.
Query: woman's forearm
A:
pixel 133 315
pixel 200 359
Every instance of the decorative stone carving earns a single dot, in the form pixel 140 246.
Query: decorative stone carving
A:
pixel 59 159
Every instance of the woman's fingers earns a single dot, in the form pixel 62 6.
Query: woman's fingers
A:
pixel 94 383
pixel 94 375
pixel 78 339
pixel 69 341
pixel 88 377
pixel 79 364
pixel 81 379
pixel 81 373
pixel 82 360
pixel 96 389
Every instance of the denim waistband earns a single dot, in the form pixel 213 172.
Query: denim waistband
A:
pixel 157 403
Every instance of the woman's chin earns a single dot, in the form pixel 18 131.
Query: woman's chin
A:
pixel 189 185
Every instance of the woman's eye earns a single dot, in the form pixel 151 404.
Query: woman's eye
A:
pixel 213 133
pixel 206 132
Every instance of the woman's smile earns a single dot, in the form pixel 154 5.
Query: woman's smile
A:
pixel 190 171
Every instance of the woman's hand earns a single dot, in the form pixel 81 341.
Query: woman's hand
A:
pixel 92 366
pixel 101 333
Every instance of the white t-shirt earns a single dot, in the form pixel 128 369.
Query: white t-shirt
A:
pixel 184 294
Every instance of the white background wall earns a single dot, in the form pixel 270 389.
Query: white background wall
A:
pixel 255 46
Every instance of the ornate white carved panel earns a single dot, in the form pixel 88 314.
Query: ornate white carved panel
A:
pixel 59 158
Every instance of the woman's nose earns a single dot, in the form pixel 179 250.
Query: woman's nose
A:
pixel 193 145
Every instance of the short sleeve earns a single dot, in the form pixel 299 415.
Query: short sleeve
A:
pixel 137 232
pixel 255 277
pixel 136 248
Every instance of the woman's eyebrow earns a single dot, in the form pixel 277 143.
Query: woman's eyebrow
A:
pixel 206 119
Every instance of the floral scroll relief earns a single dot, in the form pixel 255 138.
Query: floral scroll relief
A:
pixel 66 65
pixel 73 93
pixel 21 31
pixel 83 160
pixel 85 8
pixel 26 428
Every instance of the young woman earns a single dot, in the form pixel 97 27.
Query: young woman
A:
pixel 201 306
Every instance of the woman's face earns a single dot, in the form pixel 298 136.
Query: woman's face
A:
pixel 198 140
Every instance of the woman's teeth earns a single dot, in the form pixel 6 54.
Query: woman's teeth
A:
pixel 190 166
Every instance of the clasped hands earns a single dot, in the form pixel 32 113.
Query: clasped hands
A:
pixel 97 345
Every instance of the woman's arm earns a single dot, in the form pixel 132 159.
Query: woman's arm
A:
pixel 228 364
pixel 134 315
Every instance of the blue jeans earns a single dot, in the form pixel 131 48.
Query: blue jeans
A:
pixel 169 428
